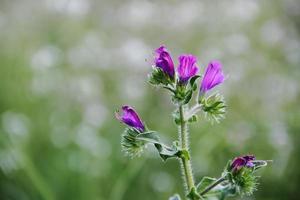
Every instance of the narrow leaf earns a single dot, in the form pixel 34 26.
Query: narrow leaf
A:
pixel 204 183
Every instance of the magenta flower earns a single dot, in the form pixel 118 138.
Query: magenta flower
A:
pixel 164 61
pixel 212 77
pixel 131 118
pixel 242 161
pixel 187 67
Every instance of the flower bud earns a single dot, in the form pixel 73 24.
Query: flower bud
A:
pixel 242 161
pixel 213 76
pixel 187 68
pixel 130 118
pixel 164 61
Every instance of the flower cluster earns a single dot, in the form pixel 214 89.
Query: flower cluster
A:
pixel 182 82
pixel 187 69
pixel 238 176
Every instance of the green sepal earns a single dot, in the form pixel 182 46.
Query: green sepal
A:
pixel 179 94
pixel 184 93
pixel 193 82
pixel 214 107
pixel 159 77
pixel 171 89
pixel 228 190
pixel 130 144
pixel 245 181
pixel 188 96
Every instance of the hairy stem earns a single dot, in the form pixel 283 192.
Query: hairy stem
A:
pixel 185 160
pixel 217 182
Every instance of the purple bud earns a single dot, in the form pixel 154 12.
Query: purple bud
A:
pixel 187 67
pixel 242 161
pixel 212 77
pixel 164 61
pixel 131 118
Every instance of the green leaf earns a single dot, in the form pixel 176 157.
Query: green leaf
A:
pixel 149 136
pixel 175 197
pixel 164 151
pixel 204 183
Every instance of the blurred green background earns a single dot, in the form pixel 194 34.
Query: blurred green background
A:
pixel 67 65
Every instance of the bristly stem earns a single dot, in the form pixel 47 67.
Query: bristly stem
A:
pixel 185 160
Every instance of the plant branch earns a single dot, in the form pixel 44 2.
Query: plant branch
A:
pixel 210 187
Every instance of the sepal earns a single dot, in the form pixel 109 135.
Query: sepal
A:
pixel 133 144
pixel 159 77
pixel 130 144
pixel 193 83
pixel 214 107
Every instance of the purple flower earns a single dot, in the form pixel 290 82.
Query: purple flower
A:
pixel 187 67
pixel 242 161
pixel 131 118
pixel 212 77
pixel 164 61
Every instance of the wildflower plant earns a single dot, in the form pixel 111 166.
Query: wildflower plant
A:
pixel 238 176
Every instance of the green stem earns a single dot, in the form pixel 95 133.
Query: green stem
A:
pixel 217 182
pixel 185 160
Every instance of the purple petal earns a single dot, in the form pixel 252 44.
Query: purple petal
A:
pixel 187 67
pixel 164 61
pixel 212 77
pixel 242 161
pixel 238 163
pixel 249 164
pixel 249 157
pixel 131 118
